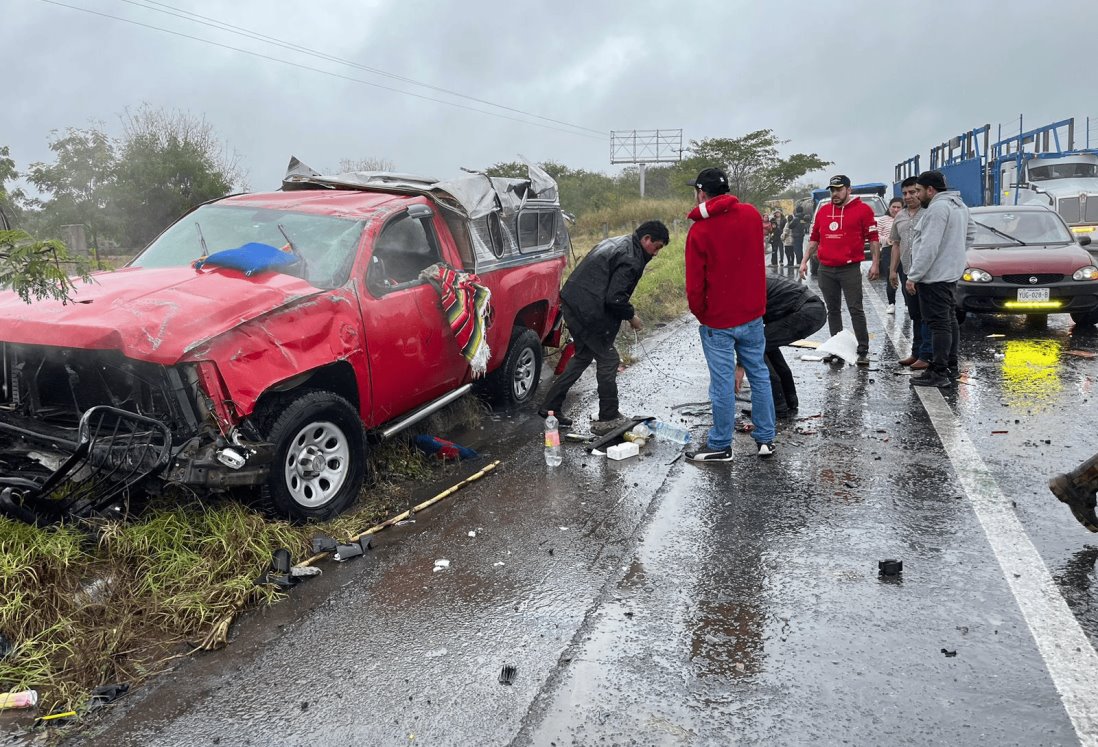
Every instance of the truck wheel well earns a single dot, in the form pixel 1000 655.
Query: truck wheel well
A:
pixel 533 317
pixel 338 378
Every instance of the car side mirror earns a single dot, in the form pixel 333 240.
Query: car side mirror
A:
pixel 1084 241
pixel 420 211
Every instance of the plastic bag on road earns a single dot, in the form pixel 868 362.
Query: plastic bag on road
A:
pixel 843 345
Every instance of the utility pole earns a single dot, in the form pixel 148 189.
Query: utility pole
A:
pixel 642 147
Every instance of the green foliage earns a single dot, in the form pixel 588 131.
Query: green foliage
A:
pixel 10 199
pixel 159 177
pixel 660 295
pixel 77 181
pixel 756 173
pixel 38 269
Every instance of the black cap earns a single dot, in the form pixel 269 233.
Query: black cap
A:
pixel 839 180
pixel 932 179
pixel 712 181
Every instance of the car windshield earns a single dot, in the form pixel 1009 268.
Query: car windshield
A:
pixel 327 243
pixel 1024 227
pixel 1062 171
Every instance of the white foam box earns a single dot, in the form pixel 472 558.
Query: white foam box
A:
pixel 623 450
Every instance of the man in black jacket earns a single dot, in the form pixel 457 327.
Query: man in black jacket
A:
pixel 595 301
pixel 793 312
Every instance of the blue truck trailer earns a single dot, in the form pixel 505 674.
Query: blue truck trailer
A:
pixel 1040 166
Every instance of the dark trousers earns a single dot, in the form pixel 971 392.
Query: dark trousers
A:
pixel 920 333
pixel 836 283
pixel 775 251
pixel 798 249
pixel 789 255
pixel 588 348
pixel 805 321
pixel 936 302
pixel 886 263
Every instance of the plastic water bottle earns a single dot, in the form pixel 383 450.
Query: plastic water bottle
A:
pixel 553 455
pixel 668 432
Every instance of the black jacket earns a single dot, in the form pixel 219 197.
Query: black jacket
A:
pixel 798 226
pixel 596 294
pixel 784 297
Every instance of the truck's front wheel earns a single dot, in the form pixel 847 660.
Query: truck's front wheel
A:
pixel 320 457
pixel 516 381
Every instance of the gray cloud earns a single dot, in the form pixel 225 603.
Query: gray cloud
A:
pixel 864 84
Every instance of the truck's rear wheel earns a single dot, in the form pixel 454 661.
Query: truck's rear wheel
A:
pixel 320 457
pixel 516 381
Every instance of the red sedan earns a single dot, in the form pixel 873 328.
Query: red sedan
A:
pixel 1024 260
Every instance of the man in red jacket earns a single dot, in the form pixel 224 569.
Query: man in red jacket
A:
pixel 726 290
pixel 840 232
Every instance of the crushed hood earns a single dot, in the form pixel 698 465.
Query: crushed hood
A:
pixel 156 315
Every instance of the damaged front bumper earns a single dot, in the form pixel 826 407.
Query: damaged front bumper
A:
pixel 84 429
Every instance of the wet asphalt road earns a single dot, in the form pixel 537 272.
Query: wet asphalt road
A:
pixel 658 602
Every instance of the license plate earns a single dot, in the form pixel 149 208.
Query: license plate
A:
pixel 1033 294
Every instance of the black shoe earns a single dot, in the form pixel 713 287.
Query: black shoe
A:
pixel 783 414
pixel 562 421
pixel 602 427
pixel 1080 502
pixel 766 450
pixel 862 360
pixel 953 372
pixel 710 455
pixel 930 377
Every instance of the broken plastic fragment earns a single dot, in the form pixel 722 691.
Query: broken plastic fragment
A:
pixel 351 550
pixel 498 563
pixel 507 674
pixel 472 534
pixel 949 654
pixel 323 543
pixel 441 564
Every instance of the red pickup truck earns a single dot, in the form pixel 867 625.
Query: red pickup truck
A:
pixel 216 379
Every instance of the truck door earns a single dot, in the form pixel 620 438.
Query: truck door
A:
pixel 413 355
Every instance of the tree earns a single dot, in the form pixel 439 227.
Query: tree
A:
pixel 38 269
pixel 349 165
pixel 756 172
pixel 168 162
pixel 77 181
pixel 10 199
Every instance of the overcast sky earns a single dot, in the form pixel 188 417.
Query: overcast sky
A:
pixel 863 84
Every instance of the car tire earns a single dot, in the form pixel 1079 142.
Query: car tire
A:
pixel 319 457
pixel 516 381
pixel 1085 318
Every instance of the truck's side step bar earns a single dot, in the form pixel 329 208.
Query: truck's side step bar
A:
pixel 423 412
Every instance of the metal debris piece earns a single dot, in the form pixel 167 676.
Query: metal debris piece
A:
pixel 507 674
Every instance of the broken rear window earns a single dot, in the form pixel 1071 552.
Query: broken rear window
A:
pixel 328 244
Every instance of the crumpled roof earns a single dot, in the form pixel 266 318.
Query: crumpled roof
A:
pixel 475 195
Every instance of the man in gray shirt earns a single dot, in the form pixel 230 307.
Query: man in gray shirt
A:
pixel 939 242
pixel 900 239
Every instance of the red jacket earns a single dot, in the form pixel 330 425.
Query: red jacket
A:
pixel 843 231
pixel 725 264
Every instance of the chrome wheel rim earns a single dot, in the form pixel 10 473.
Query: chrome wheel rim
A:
pixel 317 464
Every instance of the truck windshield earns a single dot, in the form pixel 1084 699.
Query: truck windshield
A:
pixel 1020 228
pixel 1050 171
pixel 327 243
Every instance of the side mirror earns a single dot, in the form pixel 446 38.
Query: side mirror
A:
pixel 1084 240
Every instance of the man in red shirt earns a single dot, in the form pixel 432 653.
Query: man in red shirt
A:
pixel 726 290
pixel 839 233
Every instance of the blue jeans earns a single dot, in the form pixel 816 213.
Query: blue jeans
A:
pixel 722 347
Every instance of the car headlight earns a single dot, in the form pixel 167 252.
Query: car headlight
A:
pixel 974 275
pixel 1090 272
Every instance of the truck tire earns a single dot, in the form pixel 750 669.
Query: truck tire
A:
pixel 516 381
pixel 1085 318
pixel 320 457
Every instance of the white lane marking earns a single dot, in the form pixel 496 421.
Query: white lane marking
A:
pixel 1070 658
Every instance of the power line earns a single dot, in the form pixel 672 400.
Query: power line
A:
pixel 316 69
pixel 241 31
